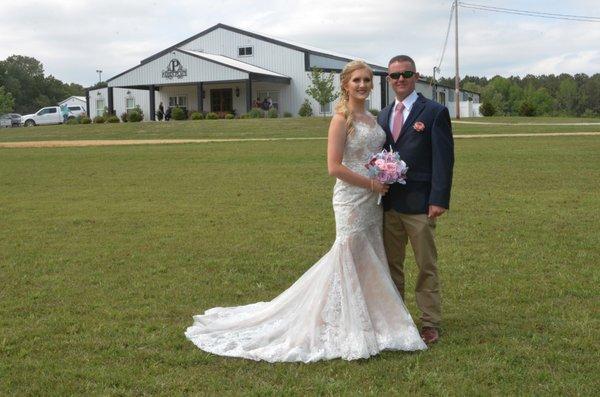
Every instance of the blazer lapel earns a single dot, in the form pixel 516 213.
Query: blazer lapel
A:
pixel 416 110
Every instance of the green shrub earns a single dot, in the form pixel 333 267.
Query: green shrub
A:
pixel 98 120
pixel 139 110
pixel 135 116
pixel 229 116
pixel 124 116
pixel 589 113
pixel 254 113
pixel 72 121
pixel 211 116
pixel 527 109
pixel 244 116
pixel 374 112
pixel 272 113
pixel 305 109
pixel 287 114
pixel 197 116
pixel 85 120
pixel 178 113
pixel 113 119
pixel 487 109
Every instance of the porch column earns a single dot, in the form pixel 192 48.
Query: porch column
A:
pixel 200 97
pixel 152 103
pixel 111 109
pixel 248 95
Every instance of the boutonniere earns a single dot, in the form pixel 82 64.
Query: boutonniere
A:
pixel 419 126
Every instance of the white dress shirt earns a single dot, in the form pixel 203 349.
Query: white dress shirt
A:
pixel 408 102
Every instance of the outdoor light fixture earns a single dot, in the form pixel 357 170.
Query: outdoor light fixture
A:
pixel 237 91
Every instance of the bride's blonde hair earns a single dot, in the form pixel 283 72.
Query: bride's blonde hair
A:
pixel 342 106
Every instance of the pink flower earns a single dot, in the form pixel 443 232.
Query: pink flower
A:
pixel 380 163
pixel 389 167
pixel 419 126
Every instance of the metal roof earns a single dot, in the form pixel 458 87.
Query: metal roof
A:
pixel 286 43
pixel 234 63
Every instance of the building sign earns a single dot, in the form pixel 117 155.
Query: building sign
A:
pixel 174 69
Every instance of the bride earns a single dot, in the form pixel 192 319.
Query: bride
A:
pixel 346 305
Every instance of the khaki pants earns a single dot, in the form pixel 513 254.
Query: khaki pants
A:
pixel 398 229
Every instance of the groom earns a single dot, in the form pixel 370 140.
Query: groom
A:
pixel 419 130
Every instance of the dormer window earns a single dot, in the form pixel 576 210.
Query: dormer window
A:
pixel 245 51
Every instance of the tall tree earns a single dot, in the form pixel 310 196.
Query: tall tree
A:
pixel 7 102
pixel 23 77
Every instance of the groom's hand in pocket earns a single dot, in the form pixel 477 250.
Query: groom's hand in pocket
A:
pixel 435 211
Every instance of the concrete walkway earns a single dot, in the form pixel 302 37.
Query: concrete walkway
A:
pixel 121 142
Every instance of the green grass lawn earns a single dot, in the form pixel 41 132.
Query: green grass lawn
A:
pixel 107 252
pixel 259 128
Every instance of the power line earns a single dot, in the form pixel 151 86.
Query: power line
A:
pixel 537 14
pixel 446 39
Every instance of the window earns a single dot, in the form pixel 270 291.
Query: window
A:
pixel 245 51
pixel 75 108
pixel 465 96
pixel 451 96
pixel 99 107
pixel 178 101
pixel 442 98
pixel 326 109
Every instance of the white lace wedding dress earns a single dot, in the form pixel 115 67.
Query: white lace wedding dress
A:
pixel 345 306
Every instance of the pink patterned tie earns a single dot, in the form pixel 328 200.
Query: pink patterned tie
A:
pixel 398 121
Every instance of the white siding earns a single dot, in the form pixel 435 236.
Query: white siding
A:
pixel 120 96
pixel 197 70
pixel 267 55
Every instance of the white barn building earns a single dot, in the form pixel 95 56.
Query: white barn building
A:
pixel 226 69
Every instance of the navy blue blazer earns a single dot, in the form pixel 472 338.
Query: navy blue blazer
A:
pixel 429 155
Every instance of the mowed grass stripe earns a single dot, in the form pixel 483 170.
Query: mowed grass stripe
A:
pixel 46 144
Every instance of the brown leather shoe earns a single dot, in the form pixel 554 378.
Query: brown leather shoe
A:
pixel 430 335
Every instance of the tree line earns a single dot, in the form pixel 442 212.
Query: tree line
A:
pixel 24 88
pixel 545 95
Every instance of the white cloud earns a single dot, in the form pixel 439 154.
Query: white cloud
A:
pixel 72 40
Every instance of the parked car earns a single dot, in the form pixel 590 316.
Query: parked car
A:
pixel 10 120
pixel 47 115
pixel 77 110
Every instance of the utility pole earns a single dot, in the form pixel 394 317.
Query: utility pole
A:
pixel 434 84
pixel 99 75
pixel 456 77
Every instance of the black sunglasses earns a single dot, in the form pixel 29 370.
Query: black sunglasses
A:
pixel 407 74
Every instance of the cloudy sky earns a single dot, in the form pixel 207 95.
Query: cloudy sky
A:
pixel 74 39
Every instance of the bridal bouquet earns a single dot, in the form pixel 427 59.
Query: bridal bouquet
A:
pixel 388 168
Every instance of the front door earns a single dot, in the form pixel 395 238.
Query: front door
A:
pixel 221 100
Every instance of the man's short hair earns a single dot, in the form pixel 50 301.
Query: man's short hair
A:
pixel 403 58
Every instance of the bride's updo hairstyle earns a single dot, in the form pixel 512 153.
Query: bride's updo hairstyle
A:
pixel 342 106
